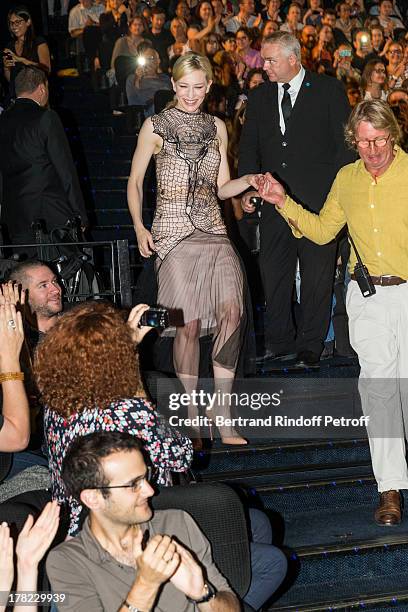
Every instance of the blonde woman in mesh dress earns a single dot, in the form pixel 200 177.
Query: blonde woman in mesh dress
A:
pixel 198 271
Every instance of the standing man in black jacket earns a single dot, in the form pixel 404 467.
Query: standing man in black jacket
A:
pixel 39 178
pixel 294 129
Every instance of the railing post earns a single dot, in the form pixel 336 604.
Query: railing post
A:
pixel 125 289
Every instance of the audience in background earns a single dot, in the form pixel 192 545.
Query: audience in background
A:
pixel 178 29
pixel 161 38
pixel 374 81
pixel 293 23
pixel 146 81
pixel 25 48
pixel 83 22
pixel 397 68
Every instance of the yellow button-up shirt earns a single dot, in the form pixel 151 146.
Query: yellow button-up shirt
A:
pixel 376 212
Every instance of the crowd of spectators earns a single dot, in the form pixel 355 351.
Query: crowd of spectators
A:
pixel 134 44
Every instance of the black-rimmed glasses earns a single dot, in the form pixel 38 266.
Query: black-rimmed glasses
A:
pixel 135 485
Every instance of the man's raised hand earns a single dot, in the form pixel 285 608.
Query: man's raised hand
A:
pixel 272 191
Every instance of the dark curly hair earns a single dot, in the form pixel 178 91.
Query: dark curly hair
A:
pixel 82 469
pixel 87 360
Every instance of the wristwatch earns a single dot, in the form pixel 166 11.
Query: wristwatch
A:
pixel 210 593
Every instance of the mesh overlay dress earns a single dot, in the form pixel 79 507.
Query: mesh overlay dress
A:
pixel 198 271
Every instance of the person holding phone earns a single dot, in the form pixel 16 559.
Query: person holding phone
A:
pixel 83 27
pixel 314 14
pixel 198 272
pixel 95 338
pixel 342 63
pixel 146 80
pixel 25 48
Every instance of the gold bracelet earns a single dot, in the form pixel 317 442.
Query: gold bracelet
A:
pixel 11 376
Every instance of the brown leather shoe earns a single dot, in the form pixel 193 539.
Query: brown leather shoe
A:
pixel 388 512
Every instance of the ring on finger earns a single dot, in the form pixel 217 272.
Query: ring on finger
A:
pixel 11 323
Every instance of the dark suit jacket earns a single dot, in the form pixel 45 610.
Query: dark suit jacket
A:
pixel 38 174
pixel 312 150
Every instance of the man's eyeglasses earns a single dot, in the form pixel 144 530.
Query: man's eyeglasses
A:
pixel 136 484
pixel 379 142
pixel 396 52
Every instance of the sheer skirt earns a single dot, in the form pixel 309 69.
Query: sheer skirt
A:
pixel 202 280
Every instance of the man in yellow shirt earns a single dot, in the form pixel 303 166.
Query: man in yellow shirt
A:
pixel 371 197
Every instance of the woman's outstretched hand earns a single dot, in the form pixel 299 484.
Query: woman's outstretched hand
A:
pixel 254 180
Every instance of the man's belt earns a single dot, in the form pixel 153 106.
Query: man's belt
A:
pixel 384 281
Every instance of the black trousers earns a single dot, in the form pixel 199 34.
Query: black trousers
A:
pixel 285 333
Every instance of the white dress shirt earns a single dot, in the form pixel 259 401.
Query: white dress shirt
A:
pixel 295 85
pixel 79 15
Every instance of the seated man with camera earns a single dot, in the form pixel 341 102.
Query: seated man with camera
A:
pixel 370 196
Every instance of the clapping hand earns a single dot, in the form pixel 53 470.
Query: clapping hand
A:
pixel 188 578
pixel 257 22
pixel 11 337
pixel 36 537
pixel 12 293
pixel 158 561
pixel 6 559
pixel 271 190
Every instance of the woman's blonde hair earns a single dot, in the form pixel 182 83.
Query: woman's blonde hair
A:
pixel 376 112
pixel 188 63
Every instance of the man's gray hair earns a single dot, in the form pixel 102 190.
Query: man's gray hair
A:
pixel 376 112
pixel 288 42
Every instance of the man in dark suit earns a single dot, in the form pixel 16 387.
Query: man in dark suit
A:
pixel 38 173
pixel 294 129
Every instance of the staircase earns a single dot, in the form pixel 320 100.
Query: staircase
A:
pixel 103 151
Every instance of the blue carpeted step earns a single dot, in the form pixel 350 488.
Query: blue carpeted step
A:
pixel 319 496
pixel 108 181
pixel 286 477
pixel 355 573
pixel 277 455
pixel 377 602
pixel 110 198
pixel 113 232
pixel 95 154
pixel 108 167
